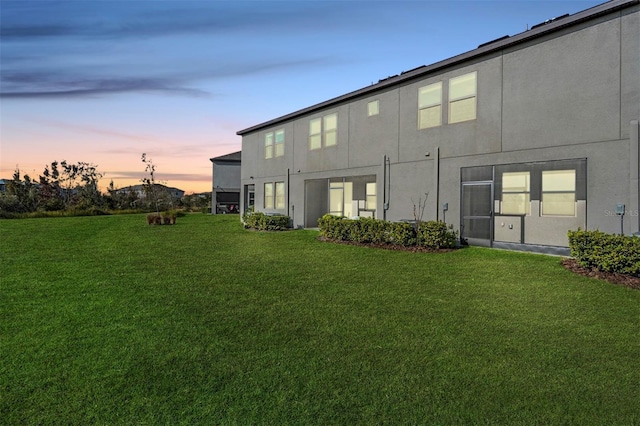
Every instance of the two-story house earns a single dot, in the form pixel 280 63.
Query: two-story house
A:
pixel 513 143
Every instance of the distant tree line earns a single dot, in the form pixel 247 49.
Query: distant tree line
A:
pixel 73 188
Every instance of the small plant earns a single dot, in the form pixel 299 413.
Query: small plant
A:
pixel 169 217
pixel 262 222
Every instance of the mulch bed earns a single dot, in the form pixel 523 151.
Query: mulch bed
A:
pixel 569 263
pixel 611 277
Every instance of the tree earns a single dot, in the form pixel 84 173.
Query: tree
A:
pixel 149 183
pixel 65 185
pixel 24 194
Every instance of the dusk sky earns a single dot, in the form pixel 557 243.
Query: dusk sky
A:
pixel 104 81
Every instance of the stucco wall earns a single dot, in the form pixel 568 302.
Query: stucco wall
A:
pixel 566 95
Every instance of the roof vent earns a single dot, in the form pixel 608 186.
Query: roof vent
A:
pixel 412 69
pixel 388 78
pixel 493 41
pixel 549 21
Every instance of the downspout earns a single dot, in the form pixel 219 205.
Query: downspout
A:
pixel 384 188
pixel 288 191
pixel 634 169
pixel 436 180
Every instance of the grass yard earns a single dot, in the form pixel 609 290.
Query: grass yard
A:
pixel 106 320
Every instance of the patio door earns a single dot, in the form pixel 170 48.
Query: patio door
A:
pixel 477 213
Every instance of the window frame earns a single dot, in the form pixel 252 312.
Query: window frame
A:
pixel 315 137
pixel 268 199
pixel 323 133
pixel 526 192
pixel 453 100
pixel 330 131
pixel 268 145
pixel 544 192
pixel 373 108
pixel 279 196
pixel 424 107
pixel 278 143
pixel 371 198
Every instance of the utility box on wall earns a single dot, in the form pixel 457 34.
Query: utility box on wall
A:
pixel 508 229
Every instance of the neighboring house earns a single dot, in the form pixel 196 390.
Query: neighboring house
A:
pixel 226 184
pixel 515 142
pixel 3 185
pixel 139 190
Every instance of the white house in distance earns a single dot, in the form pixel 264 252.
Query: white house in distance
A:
pixel 515 143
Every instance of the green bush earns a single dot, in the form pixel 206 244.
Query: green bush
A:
pixel 606 252
pixel 432 234
pixel 401 233
pixel 436 234
pixel 263 222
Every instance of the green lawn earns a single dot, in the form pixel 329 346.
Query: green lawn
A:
pixel 106 320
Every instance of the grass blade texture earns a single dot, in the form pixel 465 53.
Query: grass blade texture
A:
pixel 108 320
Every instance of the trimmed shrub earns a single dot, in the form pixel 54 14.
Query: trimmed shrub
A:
pixel 436 234
pixel 606 252
pixel 432 234
pixel 401 233
pixel 263 222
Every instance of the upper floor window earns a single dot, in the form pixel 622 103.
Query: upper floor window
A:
pixel 323 131
pixel 373 108
pixel 274 144
pixel 462 98
pixel 516 193
pixel 268 145
pixel 279 136
pixel 558 193
pixel 430 106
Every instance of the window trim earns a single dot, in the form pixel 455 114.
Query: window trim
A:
pixel 279 196
pixel 313 136
pixel 430 105
pixel 324 133
pixel 373 108
pixel 268 200
pixel 278 143
pixel 557 192
pixel 268 145
pixel 526 193
pixel 467 96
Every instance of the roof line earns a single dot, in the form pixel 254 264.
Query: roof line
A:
pixel 536 31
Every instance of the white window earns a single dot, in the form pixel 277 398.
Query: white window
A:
pixel 558 193
pixel 372 199
pixel 280 204
pixel 341 198
pixel 430 106
pixel 323 131
pixel 279 142
pixel 268 145
pixel 315 133
pixel 268 195
pixel 330 123
pixel 373 108
pixel 516 193
pixel 462 98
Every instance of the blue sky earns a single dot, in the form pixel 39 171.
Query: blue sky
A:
pixel 104 81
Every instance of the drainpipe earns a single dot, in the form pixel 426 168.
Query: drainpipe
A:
pixel 634 157
pixel 288 191
pixel 436 180
pixel 384 188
